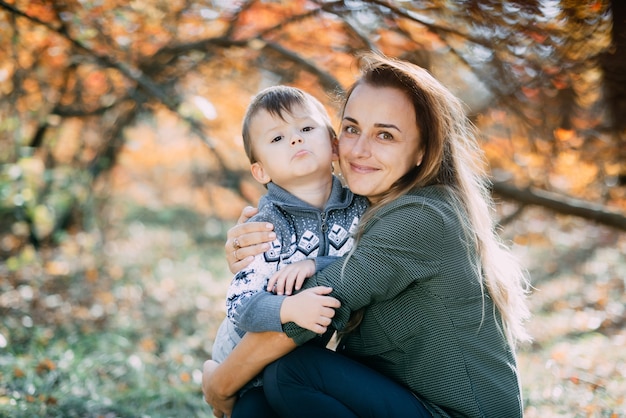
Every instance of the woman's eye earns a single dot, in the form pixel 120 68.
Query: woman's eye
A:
pixel 350 130
pixel 386 136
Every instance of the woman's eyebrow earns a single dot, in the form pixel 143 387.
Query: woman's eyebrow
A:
pixel 377 125
pixel 387 126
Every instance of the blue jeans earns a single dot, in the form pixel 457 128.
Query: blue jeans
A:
pixel 314 382
pixel 252 404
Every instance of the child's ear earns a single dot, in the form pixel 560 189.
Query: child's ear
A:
pixel 335 144
pixel 259 173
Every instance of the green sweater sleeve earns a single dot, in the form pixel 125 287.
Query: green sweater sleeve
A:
pixel 398 248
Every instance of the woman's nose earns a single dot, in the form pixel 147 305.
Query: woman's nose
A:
pixel 360 147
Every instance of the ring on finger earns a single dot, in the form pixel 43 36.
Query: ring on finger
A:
pixel 236 244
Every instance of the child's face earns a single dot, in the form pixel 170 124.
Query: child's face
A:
pixel 293 151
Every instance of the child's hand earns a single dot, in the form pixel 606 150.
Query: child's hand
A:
pixel 291 277
pixel 310 309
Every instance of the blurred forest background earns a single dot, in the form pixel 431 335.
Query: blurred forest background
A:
pixel 121 168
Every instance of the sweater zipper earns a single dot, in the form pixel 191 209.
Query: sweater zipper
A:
pixel 324 238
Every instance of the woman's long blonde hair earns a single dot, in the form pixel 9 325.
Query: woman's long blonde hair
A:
pixel 453 159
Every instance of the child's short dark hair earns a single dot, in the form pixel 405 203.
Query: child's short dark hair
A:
pixel 277 100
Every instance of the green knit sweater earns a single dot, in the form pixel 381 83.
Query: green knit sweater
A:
pixel 426 324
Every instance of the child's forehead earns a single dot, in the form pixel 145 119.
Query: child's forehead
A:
pixel 304 109
pixel 296 111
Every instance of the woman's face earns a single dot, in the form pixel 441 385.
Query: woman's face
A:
pixel 379 140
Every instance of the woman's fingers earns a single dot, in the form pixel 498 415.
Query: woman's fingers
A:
pixel 240 230
pixel 245 241
pixel 237 266
pixel 247 213
pixel 235 255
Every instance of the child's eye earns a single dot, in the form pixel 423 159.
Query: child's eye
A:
pixel 277 138
pixel 308 128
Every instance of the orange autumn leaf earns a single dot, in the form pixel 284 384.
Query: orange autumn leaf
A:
pixel 18 373
pixel 185 377
pixel 559 83
pixel 96 83
pixel 92 275
pixel 595 7
pixel 538 37
pixel 44 366
pixel 531 92
pixel 148 344
pixel 41 10
pixel 564 135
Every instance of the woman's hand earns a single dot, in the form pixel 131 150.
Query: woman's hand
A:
pixel 222 404
pixel 221 382
pixel 245 240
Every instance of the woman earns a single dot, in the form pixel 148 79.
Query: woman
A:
pixel 432 304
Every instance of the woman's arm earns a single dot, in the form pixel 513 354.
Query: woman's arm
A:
pixel 220 383
pixel 398 248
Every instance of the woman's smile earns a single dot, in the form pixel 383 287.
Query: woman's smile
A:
pixel 364 169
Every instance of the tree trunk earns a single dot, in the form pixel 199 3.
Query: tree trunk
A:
pixel 614 66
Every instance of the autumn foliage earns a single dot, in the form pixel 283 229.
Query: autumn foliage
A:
pixel 120 135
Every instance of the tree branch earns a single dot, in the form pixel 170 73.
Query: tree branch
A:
pixel 131 73
pixel 328 81
pixel 562 204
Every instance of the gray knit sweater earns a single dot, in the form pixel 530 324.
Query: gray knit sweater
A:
pixel 426 323
pixel 302 231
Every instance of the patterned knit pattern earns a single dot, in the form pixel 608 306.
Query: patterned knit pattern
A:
pixel 302 231
pixel 426 323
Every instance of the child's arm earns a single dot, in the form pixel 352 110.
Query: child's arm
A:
pixel 254 310
pixel 246 303
pixel 264 311
pixel 310 309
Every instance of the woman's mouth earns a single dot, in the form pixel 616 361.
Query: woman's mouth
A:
pixel 362 169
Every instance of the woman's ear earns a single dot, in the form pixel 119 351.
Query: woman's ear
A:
pixel 420 157
pixel 259 173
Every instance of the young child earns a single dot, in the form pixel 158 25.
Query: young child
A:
pixel 291 145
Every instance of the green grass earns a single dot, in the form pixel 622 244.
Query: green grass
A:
pixel 97 375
